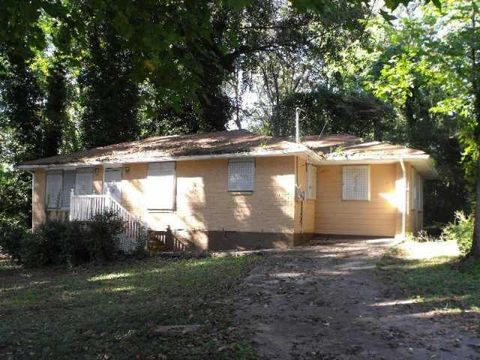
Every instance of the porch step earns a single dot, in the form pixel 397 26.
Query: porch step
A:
pixel 158 241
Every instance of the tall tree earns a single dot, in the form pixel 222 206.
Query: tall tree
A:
pixel 110 94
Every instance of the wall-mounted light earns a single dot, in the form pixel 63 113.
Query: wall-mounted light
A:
pixel 127 169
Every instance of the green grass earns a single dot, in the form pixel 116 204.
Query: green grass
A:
pixel 112 311
pixel 439 283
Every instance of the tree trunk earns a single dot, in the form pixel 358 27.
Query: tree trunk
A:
pixel 475 250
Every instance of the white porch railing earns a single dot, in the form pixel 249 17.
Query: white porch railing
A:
pixel 84 207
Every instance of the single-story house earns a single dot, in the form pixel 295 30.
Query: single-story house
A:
pixel 236 189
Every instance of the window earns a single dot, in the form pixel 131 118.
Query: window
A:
pixel 68 185
pixel 356 183
pixel 113 183
pixel 241 175
pixel 311 182
pixel 161 186
pixel 53 193
pixel 84 182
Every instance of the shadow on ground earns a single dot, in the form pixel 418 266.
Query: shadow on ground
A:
pixel 331 302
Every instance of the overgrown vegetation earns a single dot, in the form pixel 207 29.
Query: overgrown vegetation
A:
pixel 461 231
pixel 63 243
pixel 116 311
pixel 437 283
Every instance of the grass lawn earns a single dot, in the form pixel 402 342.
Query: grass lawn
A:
pixel 115 311
pixel 435 282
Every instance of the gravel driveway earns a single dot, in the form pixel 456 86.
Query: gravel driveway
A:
pixel 325 302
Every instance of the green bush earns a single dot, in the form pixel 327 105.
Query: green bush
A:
pixel 63 243
pixel 460 230
pixel 103 232
pixel 11 235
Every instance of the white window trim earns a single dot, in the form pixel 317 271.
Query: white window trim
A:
pixel 369 187
pixel 248 160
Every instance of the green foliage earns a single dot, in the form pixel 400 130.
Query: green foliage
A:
pixel 460 230
pixel 11 236
pixel 333 112
pixel 110 94
pixel 115 310
pixel 63 243
pixel 102 235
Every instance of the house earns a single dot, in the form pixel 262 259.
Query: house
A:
pixel 236 189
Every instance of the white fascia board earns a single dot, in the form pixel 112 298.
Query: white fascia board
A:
pixel 423 163
pixel 274 153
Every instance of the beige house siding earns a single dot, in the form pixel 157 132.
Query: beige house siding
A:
pixel 304 225
pixel 211 217
pixel 205 208
pixel 376 217
pixel 38 198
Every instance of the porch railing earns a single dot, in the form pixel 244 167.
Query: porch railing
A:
pixel 84 207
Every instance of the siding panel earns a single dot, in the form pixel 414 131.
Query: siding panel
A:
pixel 370 218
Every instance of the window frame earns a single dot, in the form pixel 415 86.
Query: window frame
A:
pixel 369 188
pixel 174 190
pixel 85 170
pixel 104 182
pixel 60 192
pixel 254 171
pixel 66 192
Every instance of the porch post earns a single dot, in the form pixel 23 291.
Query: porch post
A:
pixel 72 194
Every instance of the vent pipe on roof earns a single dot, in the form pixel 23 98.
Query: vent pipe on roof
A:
pixel 297 124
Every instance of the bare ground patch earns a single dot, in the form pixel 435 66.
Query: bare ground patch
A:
pixel 331 302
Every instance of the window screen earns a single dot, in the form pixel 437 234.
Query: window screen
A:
pixel 311 182
pixel 84 182
pixel 161 186
pixel 53 192
pixel 241 175
pixel 356 183
pixel 68 185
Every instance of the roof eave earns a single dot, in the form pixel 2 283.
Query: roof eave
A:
pixel 423 163
pixel 266 153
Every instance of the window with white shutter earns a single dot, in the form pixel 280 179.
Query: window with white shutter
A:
pixel 53 193
pixel 84 182
pixel 311 182
pixel 161 186
pixel 356 183
pixel 241 175
pixel 68 185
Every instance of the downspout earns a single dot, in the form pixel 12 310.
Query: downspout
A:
pixel 404 210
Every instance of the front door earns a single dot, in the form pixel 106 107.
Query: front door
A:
pixel 113 183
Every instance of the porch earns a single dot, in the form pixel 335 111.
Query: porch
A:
pixel 136 232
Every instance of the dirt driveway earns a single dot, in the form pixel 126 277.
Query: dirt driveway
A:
pixel 325 302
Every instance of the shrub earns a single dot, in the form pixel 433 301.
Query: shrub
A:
pixel 11 235
pixel 103 233
pixel 460 230
pixel 60 243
